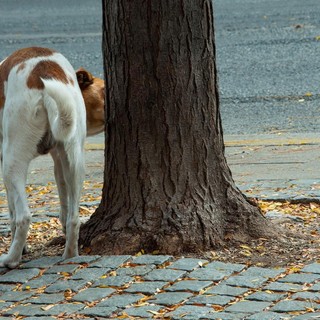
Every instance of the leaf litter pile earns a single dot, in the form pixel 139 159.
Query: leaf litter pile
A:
pixel 299 243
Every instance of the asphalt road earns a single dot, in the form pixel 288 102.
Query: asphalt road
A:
pixel 268 54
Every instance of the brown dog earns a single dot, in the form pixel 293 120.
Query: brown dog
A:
pixel 92 90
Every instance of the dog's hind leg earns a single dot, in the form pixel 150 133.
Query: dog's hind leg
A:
pixel 71 159
pixel 62 186
pixel 15 167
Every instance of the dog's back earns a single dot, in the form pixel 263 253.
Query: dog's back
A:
pixel 41 110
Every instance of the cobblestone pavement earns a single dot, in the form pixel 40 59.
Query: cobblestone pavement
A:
pixel 151 286
pixel 157 286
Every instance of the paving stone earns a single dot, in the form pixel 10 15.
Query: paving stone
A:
pixel 4 270
pixel 146 287
pixel 45 280
pixel 246 281
pixel 266 296
pixel 222 266
pixel 164 275
pixel 36 318
pixel 6 287
pixel 5 305
pixel 300 278
pixel 293 305
pixel 313 268
pixel 190 313
pixel 189 285
pixel 265 315
pixel 248 306
pixel 42 263
pixel 44 298
pixel 111 262
pixel 80 260
pixel 315 287
pixel 226 290
pixel 283 287
pixel 98 311
pixel 188 264
pixel 69 268
pixel 307 295
pixel 227 316
pixel 170 298
pixel 93 294
pixel 121 300
pixel 90 274
pixel 210 300
pixel 209 274
pixel 143 312
pixel 19 276
pixel 263 272
pixel 114 281
pixel 308 316
pixel 152 259
pixel 16 296
pixel 62 285
pixel 135 271
pixel 40 310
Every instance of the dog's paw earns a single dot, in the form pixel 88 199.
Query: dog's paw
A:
pixel 7 262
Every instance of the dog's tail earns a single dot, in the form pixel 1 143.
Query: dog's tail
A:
pixel 61 108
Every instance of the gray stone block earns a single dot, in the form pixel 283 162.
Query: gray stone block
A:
pixel 246 281
pixel 62 285
pixel 313 268
pixel 263 272
pixel 266 296
pixel 44 298
pixel 265 315
pixel 18 275
pixel 42 263
pixel 188 264
pixel 135 271
pixel 16 296
pixel 57 269
pixel 248 306
pixel 113 281
pixel 189 285
pixel 152 259
pixel 222 266
pixel 170 298
pixel 227 316
pixel 142 312
pixel 307 295
pixel 283 287
pixel 210 274
pixel 146 287
pixel 111 262
pixel 98 311
pixel 6 287
pixel 308 316
pixel 164 275
pixel 293 305
pixel 81 260
pixel 190 313
pixel 210 300
pixel 92 294
pixel 226 290
pixel 120 301
pixel 300 278
pixel 89 274
pixel 315 287
pixel 43 281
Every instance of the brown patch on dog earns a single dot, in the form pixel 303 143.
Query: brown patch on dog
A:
pixel 16 58
pixel 45 69
pixel 93 95
pixel 21 67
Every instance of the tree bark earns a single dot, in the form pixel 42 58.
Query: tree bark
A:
pixel 167 185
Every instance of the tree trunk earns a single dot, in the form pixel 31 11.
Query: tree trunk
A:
pixel 167 185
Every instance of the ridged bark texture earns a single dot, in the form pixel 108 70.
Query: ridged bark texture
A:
pixel 167 185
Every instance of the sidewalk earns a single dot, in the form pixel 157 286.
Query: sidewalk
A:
pixel 165 287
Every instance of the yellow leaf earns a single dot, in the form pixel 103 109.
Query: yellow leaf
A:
pixel 48 307
pixel 318 38
pixel 308 94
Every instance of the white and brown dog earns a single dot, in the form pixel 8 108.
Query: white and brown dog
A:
pixel 45 106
